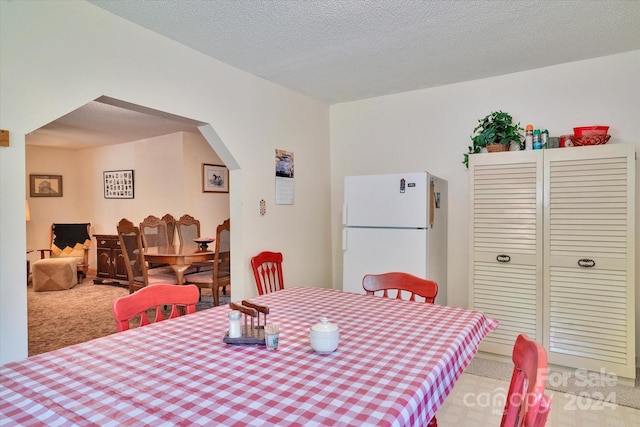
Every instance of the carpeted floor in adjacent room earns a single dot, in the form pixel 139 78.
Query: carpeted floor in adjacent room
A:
pixel 61 318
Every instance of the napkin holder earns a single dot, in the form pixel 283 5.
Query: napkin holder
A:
pixel 252 330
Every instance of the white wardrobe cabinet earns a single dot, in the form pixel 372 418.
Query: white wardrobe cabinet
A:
pixel 552 239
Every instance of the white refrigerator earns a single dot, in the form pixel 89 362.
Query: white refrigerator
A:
pixel 395 222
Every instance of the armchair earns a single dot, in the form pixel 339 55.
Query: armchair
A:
pixel 70 241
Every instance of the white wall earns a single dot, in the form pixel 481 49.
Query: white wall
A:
pixel 430 130
pixel 167 179
pixel 69 208
pixel 57 56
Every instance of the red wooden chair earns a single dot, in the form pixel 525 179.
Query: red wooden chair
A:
pixel 154 297
pixel 428 289
pixel 527 405
pixel 385 282
pixel 267 271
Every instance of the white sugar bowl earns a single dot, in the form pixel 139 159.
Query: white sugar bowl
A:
pixel 324 337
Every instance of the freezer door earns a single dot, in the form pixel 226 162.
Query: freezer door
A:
pixel 393 200
pixel 380 250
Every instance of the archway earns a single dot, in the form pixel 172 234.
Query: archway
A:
pixel 139 114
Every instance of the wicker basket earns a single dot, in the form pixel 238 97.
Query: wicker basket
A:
pixel 590 139
pixel 493 148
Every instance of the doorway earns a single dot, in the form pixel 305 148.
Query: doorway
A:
pixel 165 152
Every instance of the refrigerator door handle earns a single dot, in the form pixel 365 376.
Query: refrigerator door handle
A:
pixel 344 214
pixel 344 239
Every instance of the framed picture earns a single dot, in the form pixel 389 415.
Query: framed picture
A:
pixel 118 184
pixel 215 178
pixel 45 185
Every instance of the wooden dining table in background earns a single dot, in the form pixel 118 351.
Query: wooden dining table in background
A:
pixel 395 364
pixel 179 257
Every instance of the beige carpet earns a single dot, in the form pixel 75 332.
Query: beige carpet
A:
pixel 58 319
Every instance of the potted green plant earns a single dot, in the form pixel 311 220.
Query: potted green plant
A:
pixel 495 128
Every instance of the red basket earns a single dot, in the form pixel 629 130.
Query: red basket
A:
pixel 590 130
pixel 590 139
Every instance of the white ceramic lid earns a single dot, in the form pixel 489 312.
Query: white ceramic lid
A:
pixel 324 326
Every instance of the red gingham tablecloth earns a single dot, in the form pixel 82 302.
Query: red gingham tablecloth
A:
pixel 395 364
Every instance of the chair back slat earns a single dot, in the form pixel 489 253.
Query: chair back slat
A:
pixel 171 227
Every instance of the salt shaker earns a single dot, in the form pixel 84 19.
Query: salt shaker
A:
pixel 235 326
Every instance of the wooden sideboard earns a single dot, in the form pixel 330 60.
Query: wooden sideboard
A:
pixel 109 259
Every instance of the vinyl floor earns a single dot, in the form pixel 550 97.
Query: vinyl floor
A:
pixel 478 402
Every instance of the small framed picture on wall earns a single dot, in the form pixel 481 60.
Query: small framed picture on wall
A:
pixel 215 178
pixel 118 184
pixel 45 185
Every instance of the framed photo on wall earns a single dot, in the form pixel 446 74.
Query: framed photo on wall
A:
pixel 118 184
pixel 45 185
pixel 215 178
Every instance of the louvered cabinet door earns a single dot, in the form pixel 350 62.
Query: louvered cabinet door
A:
pixel 506 244
pixel 589 274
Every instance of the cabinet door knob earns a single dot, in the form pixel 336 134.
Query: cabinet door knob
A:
pixel 102 242
pixel 586 262
pixel 503 258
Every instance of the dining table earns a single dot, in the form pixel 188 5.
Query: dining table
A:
pixel 179 257
pixel 395 364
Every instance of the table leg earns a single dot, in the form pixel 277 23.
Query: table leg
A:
pixel 179 270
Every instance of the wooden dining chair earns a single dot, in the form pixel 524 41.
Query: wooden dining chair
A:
pixel 526 404
pixel 399 282
pixel 402 282
pixel 140 304
pixel 220 276
pixel 267 271
pixel 154 232
pixel 188 228
pixel 133 254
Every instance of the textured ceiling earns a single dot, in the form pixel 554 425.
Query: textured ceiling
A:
pixel 344 50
